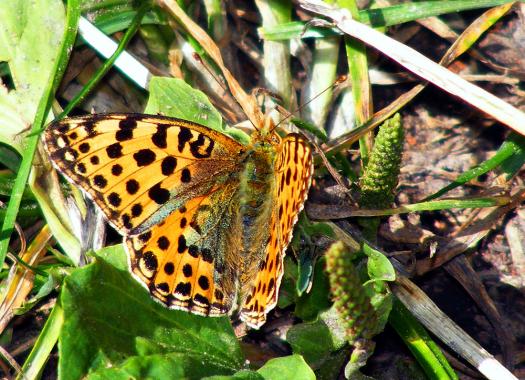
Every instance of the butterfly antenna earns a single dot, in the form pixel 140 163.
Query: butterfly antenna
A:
pixel 337 82
pixel 199 59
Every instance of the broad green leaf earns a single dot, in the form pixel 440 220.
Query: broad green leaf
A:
pixel 288 367
pixel 30 36
pixel 175 98
pixel 110 321
pixel 241 375
pixel 12 122
pixel 320 343
pixel 159 366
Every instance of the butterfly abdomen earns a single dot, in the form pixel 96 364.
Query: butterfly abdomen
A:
pixel 256 187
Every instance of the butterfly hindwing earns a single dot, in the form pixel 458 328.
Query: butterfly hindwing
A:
pixel 139 168
pixel 182 259
pixel 293 169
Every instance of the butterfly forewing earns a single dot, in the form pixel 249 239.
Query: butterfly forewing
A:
pixel 294 169
pixel 139 168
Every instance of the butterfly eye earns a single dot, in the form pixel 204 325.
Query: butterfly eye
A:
pixel 274 140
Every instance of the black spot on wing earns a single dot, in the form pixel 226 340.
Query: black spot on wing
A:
pixel 145 236
pixel 81 168
pixel 114 150
pixel 126 221
pixel 84 147
pixel 144 157
pixel 114 199
pixel 169 268
pixel 150 261
pixel 181 244
pixel 206 255
pixel 187 270
pixel 204 283
pixel 168 165
pixel 89 128
pixel 183 288
pixel 127 123
pixel 219 295
pixel 132 186
pixel 195 147
pixel 100 181
pixel 193 250
pixel 158 194
pixel 185 175
pixel 163 287
pixel 159 138
pixel 184 137
pixel 136 210
pixel 124 134
pixel 163 243
pixel 198 298
pixel 116 170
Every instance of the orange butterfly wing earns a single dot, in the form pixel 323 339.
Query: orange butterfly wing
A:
pixel 182 259
pixel 139 168
pixel 293 169
pixel 165 184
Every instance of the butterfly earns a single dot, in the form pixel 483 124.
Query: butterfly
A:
pixel 205 219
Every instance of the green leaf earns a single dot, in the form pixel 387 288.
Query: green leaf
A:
pixel 52 71
pixel 305 231
pixel 510 155
pixel 26 25
pixel 55 277
pixel 379 267
pixel 241 375
pixel 174 97
pixel 158 366
pixel 320 343
pixel 309 305
pixel 112 328
pixel 11 124
pixel 305 266
pixel 379 17
pixel 288 367
pixel 120 19
pixel 420 343
pixel 288 292
pixel 511 165
pixel 9 157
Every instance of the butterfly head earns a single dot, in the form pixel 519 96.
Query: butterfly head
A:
pixel 266 136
